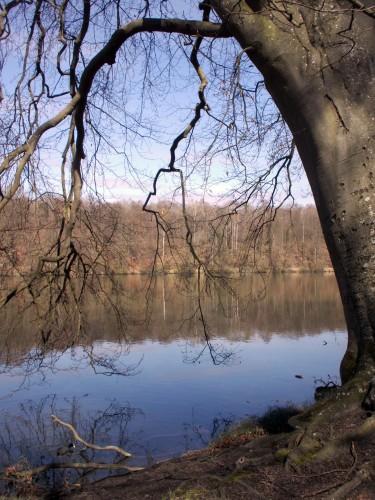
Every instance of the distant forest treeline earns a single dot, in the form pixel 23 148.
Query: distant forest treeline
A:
pixel 121 238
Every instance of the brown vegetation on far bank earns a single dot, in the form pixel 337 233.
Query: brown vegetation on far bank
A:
pixel 121 238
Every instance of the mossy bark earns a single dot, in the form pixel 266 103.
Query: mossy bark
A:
pixel 324 85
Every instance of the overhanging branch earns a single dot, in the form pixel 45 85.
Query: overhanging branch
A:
pixel 19 157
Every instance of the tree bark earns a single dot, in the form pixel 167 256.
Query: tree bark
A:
pixel 317 60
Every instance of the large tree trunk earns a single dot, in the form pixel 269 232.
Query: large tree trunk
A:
pixel 319 67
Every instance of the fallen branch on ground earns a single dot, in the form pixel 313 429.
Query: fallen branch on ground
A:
pixel 73 465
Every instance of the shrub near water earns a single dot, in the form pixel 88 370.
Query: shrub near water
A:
pixel 239 433
pixel 273 421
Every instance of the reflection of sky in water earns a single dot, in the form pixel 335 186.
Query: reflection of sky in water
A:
pixel 179 400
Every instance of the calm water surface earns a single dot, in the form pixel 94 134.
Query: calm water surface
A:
pixel 177 398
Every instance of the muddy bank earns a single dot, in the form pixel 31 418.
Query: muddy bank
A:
pixel 259 468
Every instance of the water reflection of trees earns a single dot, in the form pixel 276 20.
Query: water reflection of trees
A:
pixel 294 305
pixel 29 438
pixel 195 433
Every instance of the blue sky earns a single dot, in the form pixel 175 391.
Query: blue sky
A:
pixel 144 117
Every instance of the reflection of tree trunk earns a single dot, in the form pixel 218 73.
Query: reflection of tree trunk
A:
pixel 236 309
pixel 163 249
pixel 164 305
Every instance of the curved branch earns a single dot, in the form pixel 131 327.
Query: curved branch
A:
pixel 77 107
pixel 4 23
pixel 105 56
pixel 89 445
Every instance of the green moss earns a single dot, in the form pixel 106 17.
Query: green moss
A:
pixel 282 454
pixel 238 474
pixel 191 494
pixel 306 457
pixel 268 27
pixel 273 421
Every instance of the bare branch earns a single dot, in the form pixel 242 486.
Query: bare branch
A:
pixel 89 445
pixel 370 11
pixel 77 107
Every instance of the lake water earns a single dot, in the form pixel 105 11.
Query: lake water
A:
pixel 179 394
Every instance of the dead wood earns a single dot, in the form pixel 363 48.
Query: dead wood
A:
pixel 90 445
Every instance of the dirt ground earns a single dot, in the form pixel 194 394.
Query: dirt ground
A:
pixel 261 467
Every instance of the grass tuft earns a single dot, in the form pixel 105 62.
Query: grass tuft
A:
pixel 273 421
pixel 240 433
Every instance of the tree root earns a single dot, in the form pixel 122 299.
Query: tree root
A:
pixel 338 484
pixel 315 443
pixel 365 473
pixel 334 446
pixel 313 440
